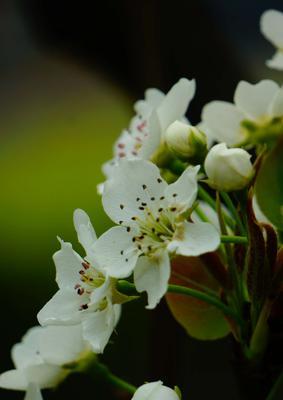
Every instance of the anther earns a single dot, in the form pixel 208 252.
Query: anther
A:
pixel 144 186
pixel 174 195
pixel 141 208
pixel 162 198
pixel 143 204
pixel 128 229
pixel 85 265
pixel 121 206
pixel 159 180
pixel 152 198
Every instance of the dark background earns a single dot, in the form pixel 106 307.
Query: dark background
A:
pixel 69 72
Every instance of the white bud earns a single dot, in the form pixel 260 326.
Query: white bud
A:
pixel 186 141
pixel 155 391
pixel 228 169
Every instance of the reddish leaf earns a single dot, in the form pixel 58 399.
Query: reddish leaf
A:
pixel 200 319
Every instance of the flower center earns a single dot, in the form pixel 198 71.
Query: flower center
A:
pixel 90 279
pixel 156 229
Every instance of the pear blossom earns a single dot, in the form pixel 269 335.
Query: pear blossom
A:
pixel 153 115
pixel 155 391
pixel 153 218
pixel 41 359
pixel 257 108
pixel 271 26
pixel 228 169
pixel 85 292
pixel 186 141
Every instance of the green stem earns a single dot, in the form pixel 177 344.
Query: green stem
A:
pixel 277 389
pixel 127 287
pixel 234 239
pixel 100 371
pixel 212 203
pixel 230 205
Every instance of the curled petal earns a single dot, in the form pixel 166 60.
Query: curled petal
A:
pixel 196 239
pixel 152 275
pixel 86 233
pixel 254 100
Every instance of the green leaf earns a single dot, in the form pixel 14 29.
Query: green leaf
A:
pixel 200 319
pixel 269 186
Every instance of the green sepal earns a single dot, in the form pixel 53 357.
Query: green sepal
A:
pixel 121 298
pixel 178 391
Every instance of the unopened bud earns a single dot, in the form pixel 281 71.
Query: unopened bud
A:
pixel 186 142
pixel 228 169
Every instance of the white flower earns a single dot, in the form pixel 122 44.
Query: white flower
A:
pixel 154 114
pixel 271 26
pixel 85 293
pixel 153 218
pixel 40 357
pixel 186 141
pixel 257 104
pixel 155 391
pixel 228 169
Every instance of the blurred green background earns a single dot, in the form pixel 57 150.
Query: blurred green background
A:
pixel 69 75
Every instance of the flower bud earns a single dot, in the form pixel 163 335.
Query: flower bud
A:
pixel 186 141
pixel 228 169
pixel 155 391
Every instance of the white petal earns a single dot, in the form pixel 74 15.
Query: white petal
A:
pixel 210 213
pixel 68 264
pixel 176 102
pixel 133 182
pixel 33 393
pixel 254 100
pixel 276 61
pixel 84 228
pixel 155 391
pixel 61 344
pixel 144 392
pixel 25 352
pixel 153 98
pixel 45 375
pixel 151 275
pixel 14 379
pixel 197 238
pixel 223 120
pixel 276 108
pixel 62 308
pixel 271 25
pixel 115 253
pixel 153 140
pixel 98 327
pixel 183 192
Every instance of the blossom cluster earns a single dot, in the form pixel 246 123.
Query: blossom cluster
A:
pixel 159 192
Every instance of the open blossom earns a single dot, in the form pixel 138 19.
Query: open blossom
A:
pixel 153 116
pixel 271 26
pixel 153 218
pixel 257 105
pixel 85 293
pixel 228 169
pixel 40 358
pixel 155 391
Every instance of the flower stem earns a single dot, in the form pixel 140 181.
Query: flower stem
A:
pixel 127 287
pixel 233 211
pixel 234 239
pixel 204 195
pixel 277 389
pixel 101 371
